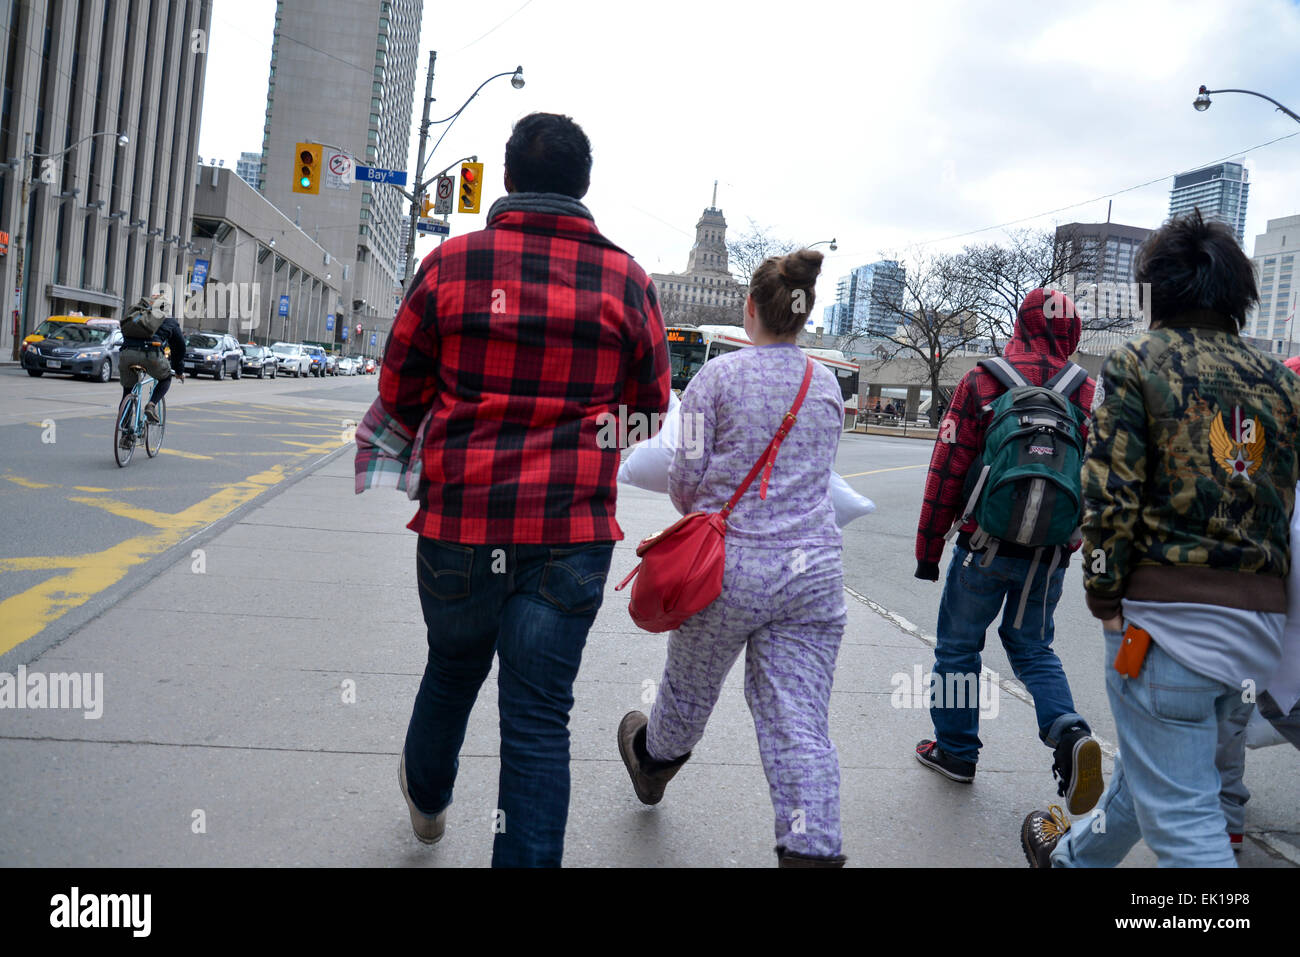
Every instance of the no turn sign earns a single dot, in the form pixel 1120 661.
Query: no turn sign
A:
pixel 442 201
pixel 339 170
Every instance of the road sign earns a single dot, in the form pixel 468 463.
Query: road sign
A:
pixel 446 186
pixel 338 170
pixel 373 174
pixel 284 305
pixel 433 227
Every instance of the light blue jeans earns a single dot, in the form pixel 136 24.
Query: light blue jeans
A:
pixel 1165 787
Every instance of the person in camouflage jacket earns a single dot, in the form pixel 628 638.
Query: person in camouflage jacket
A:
pixel 1189 481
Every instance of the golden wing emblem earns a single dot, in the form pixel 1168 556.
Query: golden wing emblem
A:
pixel 1221 443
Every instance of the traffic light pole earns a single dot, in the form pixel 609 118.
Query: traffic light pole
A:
pixel 417 187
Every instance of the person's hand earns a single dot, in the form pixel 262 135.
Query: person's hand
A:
pixel 927 571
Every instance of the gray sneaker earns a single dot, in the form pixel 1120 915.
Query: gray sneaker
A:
pixel 429 828
pixel 151 413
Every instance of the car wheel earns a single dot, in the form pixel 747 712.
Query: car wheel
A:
pixel 239 371
pixel 220 373
pixel 36 373
pixel 106 371
pixel 261 373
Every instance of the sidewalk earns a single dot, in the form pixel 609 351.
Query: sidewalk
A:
pixel 224 707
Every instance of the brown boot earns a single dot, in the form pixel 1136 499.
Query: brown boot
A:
pixel 786 858
pixel 649 777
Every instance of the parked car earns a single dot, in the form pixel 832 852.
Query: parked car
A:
pixel 346 366
pixel 331 363
pixel 293 357
pixel 259 360
pixel 317 356
pixel 371 367
pixel 84 347
pixel 213 353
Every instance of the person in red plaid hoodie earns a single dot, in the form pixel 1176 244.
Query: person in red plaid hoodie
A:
pixel 979 585
pixel 514 345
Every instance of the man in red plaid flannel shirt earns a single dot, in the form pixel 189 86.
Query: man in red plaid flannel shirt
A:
pixel 978 585
pixel 514 345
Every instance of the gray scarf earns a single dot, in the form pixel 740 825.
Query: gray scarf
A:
pixel 556 204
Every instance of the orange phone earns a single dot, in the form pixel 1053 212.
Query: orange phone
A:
pixel 1132 651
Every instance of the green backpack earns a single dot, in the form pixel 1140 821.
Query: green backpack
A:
pixel 140 321
pixel 1029 490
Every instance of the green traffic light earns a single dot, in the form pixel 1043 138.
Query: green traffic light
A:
pixel 305 181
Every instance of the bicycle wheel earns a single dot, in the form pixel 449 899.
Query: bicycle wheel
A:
pixel 124 430
pixel 153 431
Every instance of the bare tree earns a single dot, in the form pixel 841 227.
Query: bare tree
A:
pixel 679 311
pixel 748 250
pixel 935 315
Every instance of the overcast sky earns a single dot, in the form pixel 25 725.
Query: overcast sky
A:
pixel 880 124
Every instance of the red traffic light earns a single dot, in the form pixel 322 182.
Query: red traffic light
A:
pixel 467 174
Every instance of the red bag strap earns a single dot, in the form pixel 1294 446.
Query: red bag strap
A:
pixel 768 458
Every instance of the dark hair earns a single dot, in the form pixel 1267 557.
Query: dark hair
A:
pixel 549 153
pixel 1196 266
pixel 783 290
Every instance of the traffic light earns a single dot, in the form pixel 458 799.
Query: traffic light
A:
pixel 428 205
pixel 306 176
pixel 471 187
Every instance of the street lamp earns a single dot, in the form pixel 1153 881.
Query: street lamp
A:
pixel 820 241
pixel 24 204
pixel 1202 101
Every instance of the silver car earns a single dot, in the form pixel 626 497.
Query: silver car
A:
pixel 294 359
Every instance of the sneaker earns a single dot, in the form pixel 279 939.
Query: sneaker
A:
pixel 429 828
pixel 649 777
pixel 936 759
pixel 151 413
pixel 1235 840
pixel 1078 769
pixel 1040 833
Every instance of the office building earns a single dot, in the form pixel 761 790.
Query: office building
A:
pixel 1099 278
pixel 105 221
pixel 343 75
pixel 1219 191
pixel 1274 259
pixel 870 300
pixel 249 169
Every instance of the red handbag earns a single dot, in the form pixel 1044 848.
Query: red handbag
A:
pixel 681 567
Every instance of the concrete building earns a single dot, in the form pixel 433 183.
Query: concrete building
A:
pixel 105 222
pixel 1100 281
pixel 706 292
pixel 1274 259
pixel 247 242
pixel 869 299
pixel 1220 191
pixel 343 75
pixel 249 168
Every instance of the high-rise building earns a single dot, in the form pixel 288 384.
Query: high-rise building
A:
pixel 1099 277
pixel 249 169
pixel 706 292
pixel 105 222
pixel 343 75
pixel 1275 255
pixel 1219 191
pixel 870 300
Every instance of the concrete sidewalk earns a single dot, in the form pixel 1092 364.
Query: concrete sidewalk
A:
pixel 228 736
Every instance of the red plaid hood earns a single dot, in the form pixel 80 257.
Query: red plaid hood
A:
pixel 1039 334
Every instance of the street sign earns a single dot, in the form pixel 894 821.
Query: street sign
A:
pixel 434 227
pixel 338 170
pixel 373 174
pixel 284 305
pixel 442 205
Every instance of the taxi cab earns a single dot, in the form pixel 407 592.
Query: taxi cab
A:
pixel 83 346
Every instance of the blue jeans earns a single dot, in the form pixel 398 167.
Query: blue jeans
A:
pixel 1165 787
pixel 973 595
pixel 532 605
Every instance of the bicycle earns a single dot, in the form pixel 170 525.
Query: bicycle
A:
pixel 133 425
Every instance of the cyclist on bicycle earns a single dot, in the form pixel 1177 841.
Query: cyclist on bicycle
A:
pixel 147 335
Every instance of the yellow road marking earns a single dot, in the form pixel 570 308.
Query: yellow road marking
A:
pixel 896 468
pixel 27 483
pixel 146 516
pixel 186 455
pixel 24 615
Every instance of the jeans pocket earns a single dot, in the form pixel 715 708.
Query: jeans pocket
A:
pixel 574 578
pixel 443 569
pixel 1178 693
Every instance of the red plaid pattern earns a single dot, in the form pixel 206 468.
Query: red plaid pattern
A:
pixel 517 340
pixel 1037 355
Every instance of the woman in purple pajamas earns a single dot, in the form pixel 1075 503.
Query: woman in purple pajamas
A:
pixel 782 600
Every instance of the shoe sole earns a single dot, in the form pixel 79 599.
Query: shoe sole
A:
pixel 1087 784
pixel 401 782
pixel 950 775
pixel 629 762
pixel 1024 845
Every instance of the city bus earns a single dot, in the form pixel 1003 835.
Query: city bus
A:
pixel 689 347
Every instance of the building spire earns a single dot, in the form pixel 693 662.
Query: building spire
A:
pixel 714 205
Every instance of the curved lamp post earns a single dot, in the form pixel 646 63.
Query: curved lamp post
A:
pixel 1202 101
pixel 23 212
pixel 821 241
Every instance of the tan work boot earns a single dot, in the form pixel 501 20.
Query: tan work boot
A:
pixel 429 828
pixel 649 777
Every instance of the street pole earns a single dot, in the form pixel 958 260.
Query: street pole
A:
pixel 417 194
pixel 20 313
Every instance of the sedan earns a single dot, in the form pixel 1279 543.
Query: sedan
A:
pixel 81 349
pixel 259 361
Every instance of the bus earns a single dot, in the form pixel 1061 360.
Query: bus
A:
pixel 689 347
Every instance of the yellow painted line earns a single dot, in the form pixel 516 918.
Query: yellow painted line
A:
pixel 186 455
pixel 27 483
pixel 896 468
pixel 24 615
pixel 146 516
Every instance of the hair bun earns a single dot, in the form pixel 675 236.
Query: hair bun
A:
pixel 800 268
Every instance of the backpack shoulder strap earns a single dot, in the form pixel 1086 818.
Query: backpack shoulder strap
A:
pixel 1067 381
pixel 1004 372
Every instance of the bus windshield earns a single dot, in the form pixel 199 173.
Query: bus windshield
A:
pixel 686 360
